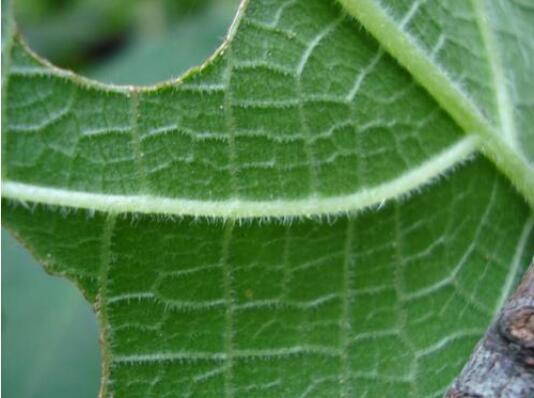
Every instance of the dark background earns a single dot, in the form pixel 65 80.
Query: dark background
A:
pixel 49 332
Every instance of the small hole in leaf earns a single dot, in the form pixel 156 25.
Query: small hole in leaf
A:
pixel 125 42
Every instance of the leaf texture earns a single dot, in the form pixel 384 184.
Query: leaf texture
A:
pixel 255 125
pixel 474 58
pixel 485 49
pixel 301 112
pixel 387 303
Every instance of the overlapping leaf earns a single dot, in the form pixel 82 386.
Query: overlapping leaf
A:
pixel 301 112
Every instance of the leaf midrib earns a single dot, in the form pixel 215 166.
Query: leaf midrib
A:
pixel 481 136
pixel 239 208
pixel 401 46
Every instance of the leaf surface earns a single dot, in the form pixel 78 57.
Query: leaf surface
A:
pixel 300 113
pixel 475 62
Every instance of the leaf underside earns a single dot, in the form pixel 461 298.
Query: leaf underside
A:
pixel 301 113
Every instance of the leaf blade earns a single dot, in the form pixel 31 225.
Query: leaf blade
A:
pixel 369 304
pixel 286 171
pixel 474 118
pixel 167 305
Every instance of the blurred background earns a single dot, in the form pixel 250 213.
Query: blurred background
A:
pixel 49 332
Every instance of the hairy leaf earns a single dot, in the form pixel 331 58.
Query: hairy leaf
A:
pixel 178 209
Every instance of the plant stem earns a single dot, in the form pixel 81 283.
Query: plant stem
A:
pixel 502 364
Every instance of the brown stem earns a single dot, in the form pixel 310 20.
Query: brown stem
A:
pixel 502 364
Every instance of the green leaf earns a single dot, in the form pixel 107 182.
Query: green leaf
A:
pixel 475 59
pixel 178 209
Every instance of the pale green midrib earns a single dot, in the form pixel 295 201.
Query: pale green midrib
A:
pixel 405 50
pixel 240 208
pixel 233 208
pixel 505 158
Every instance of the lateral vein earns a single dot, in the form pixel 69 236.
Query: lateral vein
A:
pixel 237 208
pixel 445 91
